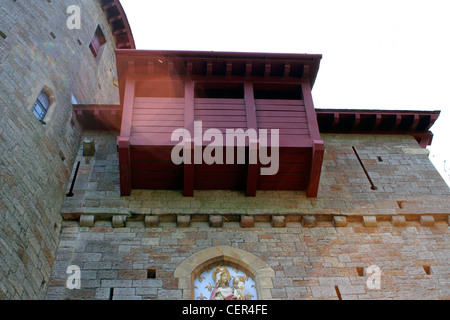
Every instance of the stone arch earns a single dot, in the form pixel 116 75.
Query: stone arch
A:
pixel 194 265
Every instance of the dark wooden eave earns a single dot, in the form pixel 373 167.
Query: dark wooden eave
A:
pixel 415 123
pixel 120 26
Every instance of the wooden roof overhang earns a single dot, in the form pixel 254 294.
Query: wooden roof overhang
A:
pixel 119 23
pixel 165 90
pixel 409 122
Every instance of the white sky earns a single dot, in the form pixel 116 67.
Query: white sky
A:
pixel 377 54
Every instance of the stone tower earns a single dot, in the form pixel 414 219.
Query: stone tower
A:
pixel 53 54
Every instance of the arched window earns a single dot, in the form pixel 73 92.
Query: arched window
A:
pixel 41 106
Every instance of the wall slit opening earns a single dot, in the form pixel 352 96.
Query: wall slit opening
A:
pixel 338 292
pixel 372 185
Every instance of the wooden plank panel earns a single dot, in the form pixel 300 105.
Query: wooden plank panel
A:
pixel 158 117
pixel 149 100
pixel 217 176
pixel 154 166
pixel 219 107
pixel 138 106
pixel 222 185
pixel 240 168
pixel 220 112
pixel 167 130
pixel 211 118
pixel 284 125
pixel 145 152
pixel 156 175
pixel 276 113
pixel 168 123
pixel 222 124
pixel 212 101
pixel 280 108
pixel 262 102
pixel 160 111
pixel 275 119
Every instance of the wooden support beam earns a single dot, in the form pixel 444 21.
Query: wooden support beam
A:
pixel 124 166
pixel 189 68
pixel 125 133
pixel 229 69
pixel 248 69
pixel 253 166
pixel 188 188
pixel 316 168
pixel 287 70
pixel 310 111
pixel 357 121
pixel 170 67
pixel 318 144
pixel 128 102
pixel 415 122
pixel 209 67
pixel 267 70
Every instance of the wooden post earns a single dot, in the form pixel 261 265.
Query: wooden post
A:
pixel 189 126
pixel 124 166
pixel 316 168
pixel 125 133
pixel 318 144
pixel 253 168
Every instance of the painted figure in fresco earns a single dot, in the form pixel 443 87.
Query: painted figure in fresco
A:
pixel 239 288
pixel 222 290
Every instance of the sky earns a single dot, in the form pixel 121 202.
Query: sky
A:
pixel 377 54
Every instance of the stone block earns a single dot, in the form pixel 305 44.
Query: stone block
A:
pixel 309 221
pixel 151 221
pixel 215 221
pixel 247 221
pixel 87 220
pixel 278 221
pixel 427 221
pixel 88 147
pixel 183 221
pixel 119 221
pixel 339 221
pixel 398 221
pixel 370 221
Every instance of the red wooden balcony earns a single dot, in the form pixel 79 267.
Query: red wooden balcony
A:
pixel 197 91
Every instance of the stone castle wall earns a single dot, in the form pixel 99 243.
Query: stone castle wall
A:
pixel 316 248
pixel 406 180
pixel 38 51
pixel 324 262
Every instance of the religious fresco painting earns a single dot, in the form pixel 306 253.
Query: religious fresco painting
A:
pixel 224 283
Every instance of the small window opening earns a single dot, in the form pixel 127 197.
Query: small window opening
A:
pixel 151 273
pixel 380 159
pixel 41 106
pixel 4 36
pixel 427 270
pixel 278 91
pixel 219 90
pixel 360 271
pixel 97 41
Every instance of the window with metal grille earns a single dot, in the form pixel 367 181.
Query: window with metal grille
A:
pixel 41 106
pixel 97 41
